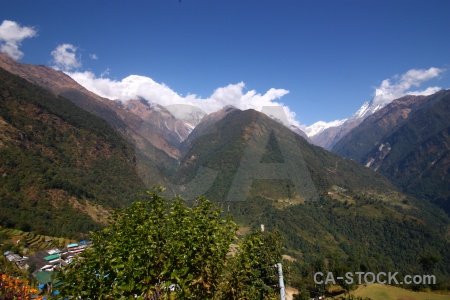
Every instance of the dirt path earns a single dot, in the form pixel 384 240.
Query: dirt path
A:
pixel 290 292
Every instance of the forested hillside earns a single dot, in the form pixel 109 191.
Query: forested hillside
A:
pixel 61 166
pixel 357 218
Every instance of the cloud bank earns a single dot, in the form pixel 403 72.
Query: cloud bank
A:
pixel 65 58
pixel 135 86
pixel 400 85
pixel 11 37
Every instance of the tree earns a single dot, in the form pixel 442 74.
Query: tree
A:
pixel 153 249
pixel 429 262
pixel 12 288
pixel 252 274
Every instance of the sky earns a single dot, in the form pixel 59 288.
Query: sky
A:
pixel 320 59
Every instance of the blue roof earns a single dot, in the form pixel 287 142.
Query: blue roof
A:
pixel 72 245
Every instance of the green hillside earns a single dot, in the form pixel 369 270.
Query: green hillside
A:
pixel 60 164
pixel 357 219
pixel 243 135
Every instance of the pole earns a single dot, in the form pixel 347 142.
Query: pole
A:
pixel 280 278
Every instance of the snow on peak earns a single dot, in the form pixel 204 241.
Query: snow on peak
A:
pixel 380 92
pixel 362 111
pixel 320 126
pixel 368 108
pixel 190 114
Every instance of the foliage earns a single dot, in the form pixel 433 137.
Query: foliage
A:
pixel 16 289
pixel 252 273
pixel 367 235
pixel 153 248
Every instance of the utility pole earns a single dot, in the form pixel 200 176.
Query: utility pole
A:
pixel 281 281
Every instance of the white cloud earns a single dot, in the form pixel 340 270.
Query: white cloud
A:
pixel 105 73
pixel 399 86
pixel 135 86
pixel 11 37
pixel 65 58
pixel 428 91
pixel 93 56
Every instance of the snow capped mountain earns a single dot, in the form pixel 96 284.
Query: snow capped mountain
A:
pixel 189 114
pixel 369 107
pixel 327 134
pixel 320 126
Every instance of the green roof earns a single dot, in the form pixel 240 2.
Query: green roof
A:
pixel 51 257
pixel 44 277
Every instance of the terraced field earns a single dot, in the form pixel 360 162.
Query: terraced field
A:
pixel 34 242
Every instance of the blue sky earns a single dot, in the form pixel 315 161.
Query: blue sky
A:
pixel 329 55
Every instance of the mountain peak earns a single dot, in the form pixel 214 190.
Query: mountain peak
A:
pixel 320 126
pixel 189 114
pixel 381 92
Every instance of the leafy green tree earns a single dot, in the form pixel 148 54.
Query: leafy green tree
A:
pixel 154 248
pixel 251 273
pixel 303 294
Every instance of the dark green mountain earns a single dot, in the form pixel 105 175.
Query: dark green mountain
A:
pixel 61 166
pixel 229 145
pixel 407 141
pixel 328 208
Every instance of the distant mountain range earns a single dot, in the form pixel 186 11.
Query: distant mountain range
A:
pixel 68 156
pixel 327 134
pixel 166 138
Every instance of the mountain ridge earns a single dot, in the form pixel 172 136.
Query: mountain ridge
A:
pixel 407 141
pixel 241 127
pixel 327 134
